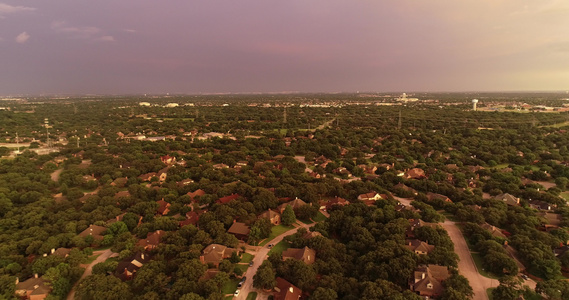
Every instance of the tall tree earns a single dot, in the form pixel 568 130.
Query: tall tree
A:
pixel 288 217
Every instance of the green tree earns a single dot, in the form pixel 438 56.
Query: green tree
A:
pixel 265 278
pixel 100 286
pixel 509 288
pixel 322 293
pixel 288 217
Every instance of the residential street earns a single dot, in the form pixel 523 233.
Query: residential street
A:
pixel 104 255
pixel 466 265
pixel 260 255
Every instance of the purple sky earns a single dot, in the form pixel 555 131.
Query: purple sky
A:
pixel 191 46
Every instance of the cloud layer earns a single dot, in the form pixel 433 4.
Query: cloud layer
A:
pixel 22 37
pixel 134 46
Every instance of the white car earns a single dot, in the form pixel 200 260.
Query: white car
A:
pixel 236 293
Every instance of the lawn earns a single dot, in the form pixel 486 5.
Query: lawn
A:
pixel 242 267
pixel 252 296
pixel 565 195
pixel 489 293
pixel 307 222
pixel 91 258
pixel 246 257
pixel 280 247
pixel 478 261
pixel 230 287
pixel 320 217
pixel 276 231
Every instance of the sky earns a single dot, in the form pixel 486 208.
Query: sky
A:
pixel 215 46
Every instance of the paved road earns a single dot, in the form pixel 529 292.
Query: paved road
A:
pixel 260 255
pixel 466 256
pixel 466 265
pixel 104 255
pixel 55 175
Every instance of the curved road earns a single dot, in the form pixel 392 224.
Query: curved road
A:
pixel 260 255
pixel 104 255
pixel 466 265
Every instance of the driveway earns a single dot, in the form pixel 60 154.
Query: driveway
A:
pixel 55 175
pixel 104 255
pixel 466 265
pixel 260 255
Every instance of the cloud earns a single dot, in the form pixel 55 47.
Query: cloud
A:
pixel 91 33
pixel 129 30
pixel 22 37
pixel 106 38
pixel 82 32
pixel 9 9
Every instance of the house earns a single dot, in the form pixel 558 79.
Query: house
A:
pixel 227 199
pixel 120 182
pixel 184 182
pixel 415 173
pixel 152 240
pixel 541 205
pixel 215 253
pixel 162 174
pixel 147 177
pixel 285 290
pixel 296 203
pixel 168 160
pixel 274 217
pixel 192 218
pixel 239 230
pixel 435 196
pixel 35 288
pixel 369 196
pixel 209 274
pixel 551 219
pixel 403 187
pixel 419 247
pixel 311 234
pixel 127 268
pixel 428 280
pixel 95 231
pixel 220 166
pixel 336 201
pixel 416 223
pixel 122 194
pixel 305 254
pixel 88 178
pixel 196 194
pixel 62 252
pixel 496 232
pixel 163 207
pixel 509 199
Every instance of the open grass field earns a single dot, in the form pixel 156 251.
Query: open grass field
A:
pixel 280 247
pixel 276 231
pixel 320 217
pixel 246 257
pixel 230 286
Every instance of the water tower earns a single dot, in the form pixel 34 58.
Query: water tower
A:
pixel 474 101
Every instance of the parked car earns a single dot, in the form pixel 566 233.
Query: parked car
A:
pixel 525 277
pixel 236 293
pixel 270 245
pixel 251 264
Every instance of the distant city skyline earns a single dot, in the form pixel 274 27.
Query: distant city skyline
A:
pixel 254 46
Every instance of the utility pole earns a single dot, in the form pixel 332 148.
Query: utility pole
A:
pixel 18 142
pixel 399 123
pixel 78 138
pixel 284 115
pixel 46 122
